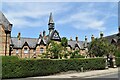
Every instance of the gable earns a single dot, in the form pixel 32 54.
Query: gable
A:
pixel 25 44
pixel 56 36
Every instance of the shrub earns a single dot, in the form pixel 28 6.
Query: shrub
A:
pixel 118 61
pixel 100 47
pixel 38 67
pixel 117 53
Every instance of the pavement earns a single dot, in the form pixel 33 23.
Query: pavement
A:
pixel 83 74
pixel 110 74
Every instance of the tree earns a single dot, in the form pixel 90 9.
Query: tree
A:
pixel 76 54
pixel 55 49
pixel 100 47
pixel 64 42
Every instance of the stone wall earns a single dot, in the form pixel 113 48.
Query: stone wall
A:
pixel 3 41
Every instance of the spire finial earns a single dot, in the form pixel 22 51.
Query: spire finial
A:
pixel 50 18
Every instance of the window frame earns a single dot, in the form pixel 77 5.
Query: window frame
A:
pixel 41 50
pixel 26 51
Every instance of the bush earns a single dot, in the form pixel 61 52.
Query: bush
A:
pixel 117 53
pixel 118 61
pixel 12 68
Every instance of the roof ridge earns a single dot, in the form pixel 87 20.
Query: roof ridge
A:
pixel 25 37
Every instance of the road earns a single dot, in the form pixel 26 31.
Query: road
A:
pixel 111 76
pixel 108 74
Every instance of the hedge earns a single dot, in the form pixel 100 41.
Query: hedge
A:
pixel 118 61
pixel 14 68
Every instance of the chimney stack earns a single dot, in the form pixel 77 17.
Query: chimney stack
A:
pixel 101 34
pixel 70 38
pixel 18 36
pixel 44 33
pixel 92 37
pixel 40 36
pixel 77 38
pixel 85 38
pixel 85 41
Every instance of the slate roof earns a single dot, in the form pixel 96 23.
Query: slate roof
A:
pixel 33 41
pixel 110 37
pixel 5 22
pixel 19 43
pixel 73 43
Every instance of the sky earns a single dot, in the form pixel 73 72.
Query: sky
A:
pixel 71 18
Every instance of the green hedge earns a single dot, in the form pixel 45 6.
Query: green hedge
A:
pixel 14 68
pixel 118 61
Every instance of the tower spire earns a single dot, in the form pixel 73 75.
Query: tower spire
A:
pixel 50 19
pixel 50 24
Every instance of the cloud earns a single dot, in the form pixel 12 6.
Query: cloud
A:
pixel 79 17
pixel 89 17
pixel 84 20
pixel 60 1
pixel 16 12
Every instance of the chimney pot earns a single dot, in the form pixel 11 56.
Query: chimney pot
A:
pixel 19 34
pixel 76 38
pixel 70 38
pixel 92 37
pixel 44 33
pixel 101 34
pixel 85 38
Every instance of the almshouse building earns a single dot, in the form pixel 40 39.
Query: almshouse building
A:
pixel 33 47
pixel 5 35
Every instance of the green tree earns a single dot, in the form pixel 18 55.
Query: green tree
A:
pixel 64 42
pixel 76 54
pixel 55 50
pixel 101 47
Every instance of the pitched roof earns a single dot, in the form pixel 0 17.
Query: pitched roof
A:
pixel 5 22
pixel 19 43
pixel 73 43
pixel 110 37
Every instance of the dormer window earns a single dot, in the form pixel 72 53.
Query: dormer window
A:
pixel 25 50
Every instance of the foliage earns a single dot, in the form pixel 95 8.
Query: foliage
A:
pixel 38 67
pixel 117 53
pixel 117 61
pixel 64 42
pixel 100 47
pixel 55 49
pixel 76 54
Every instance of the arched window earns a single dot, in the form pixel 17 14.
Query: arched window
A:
pixel 25 50
pixel 41 50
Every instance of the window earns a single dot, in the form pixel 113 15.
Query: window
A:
pixel 41 50
pixel 25 50
pixel 34 51
pixel 17 51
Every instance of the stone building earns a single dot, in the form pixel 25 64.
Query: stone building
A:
pixel 33 47
pixel 5 35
